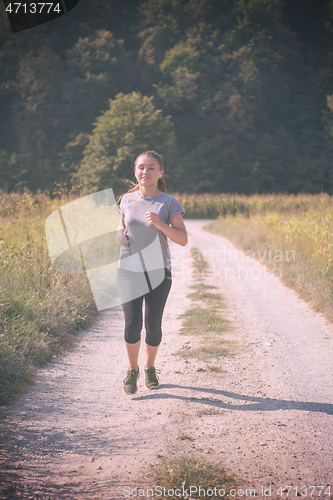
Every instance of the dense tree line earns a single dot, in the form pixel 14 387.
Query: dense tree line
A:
pixel 237 94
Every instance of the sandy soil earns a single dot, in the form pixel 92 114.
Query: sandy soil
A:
pixel 76 435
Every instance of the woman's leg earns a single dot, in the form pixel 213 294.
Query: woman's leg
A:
pixel 133 355
pixel 150 355
pixel 155 303
pixel 127 282
pixel 133 325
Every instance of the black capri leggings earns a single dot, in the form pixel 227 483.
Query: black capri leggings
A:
pixel 155 301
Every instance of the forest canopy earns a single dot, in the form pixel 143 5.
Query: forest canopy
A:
pixel 237 95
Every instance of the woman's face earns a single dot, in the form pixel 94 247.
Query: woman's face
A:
pixel 147 171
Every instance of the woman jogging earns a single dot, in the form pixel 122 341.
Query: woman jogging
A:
pixel 149 216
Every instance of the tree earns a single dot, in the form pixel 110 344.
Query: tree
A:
pixel 244 81
pixel 34 113
pixel 17 172
pixel 130 126
pixel 286 163
pixel 97 69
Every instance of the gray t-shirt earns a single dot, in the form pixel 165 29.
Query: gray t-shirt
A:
pixel 148 247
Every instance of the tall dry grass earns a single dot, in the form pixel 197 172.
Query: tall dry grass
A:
pixel 291 235
pixel 40 309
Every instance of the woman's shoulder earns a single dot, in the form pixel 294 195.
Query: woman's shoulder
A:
pixel 168 197
pixel 128 196
pixel 172 204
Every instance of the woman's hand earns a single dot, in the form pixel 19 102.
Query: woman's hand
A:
pixel 121 237
pixel 154 219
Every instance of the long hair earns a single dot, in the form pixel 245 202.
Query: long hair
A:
pixel 160 183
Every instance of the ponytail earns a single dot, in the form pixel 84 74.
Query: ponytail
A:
pixel 161 185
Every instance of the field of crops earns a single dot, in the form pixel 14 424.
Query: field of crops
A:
pixel 42 309
pixel 304 220
pixel 291 235
pixel 211 206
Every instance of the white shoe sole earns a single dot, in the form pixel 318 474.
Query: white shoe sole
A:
pixel 152 386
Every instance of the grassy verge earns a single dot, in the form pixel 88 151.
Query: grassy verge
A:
pixel 181 473
pixel 296 245
pixel 204 319
pixel 41 310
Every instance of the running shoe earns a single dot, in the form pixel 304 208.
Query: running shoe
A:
pixel 130 386
pixel 151 380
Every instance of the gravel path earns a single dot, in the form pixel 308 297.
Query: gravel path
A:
pixel 76 435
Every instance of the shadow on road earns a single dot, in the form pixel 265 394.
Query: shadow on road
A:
pixel 246 403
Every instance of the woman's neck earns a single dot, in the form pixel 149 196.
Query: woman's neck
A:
pixel 149 191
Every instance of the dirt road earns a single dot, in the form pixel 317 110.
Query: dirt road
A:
pixel 76 435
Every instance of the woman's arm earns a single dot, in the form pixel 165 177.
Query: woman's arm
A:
pixel 177 233
pixel 122 224
pixel 121 239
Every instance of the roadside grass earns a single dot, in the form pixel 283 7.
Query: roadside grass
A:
pixel 212 348
pixel 209 411
pixel 206 322
pixel 295 243
pixel 211 299
pixel 212 368
pixel 200 287
pixel 183 437
pixel 183 472
pixel 199 320
pixel 207 398
pixel 41 310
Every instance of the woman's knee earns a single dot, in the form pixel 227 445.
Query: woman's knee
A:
pixel 132 337
pixel 133 321
pixel 153 338
pixel 132 331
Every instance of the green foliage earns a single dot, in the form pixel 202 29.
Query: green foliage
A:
pixel 130 126
pixel 100 53
pixel 284 163
pixel 180 56
pixel 96 69
pixel 17 173
pixel 328 116
pixel 246 83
